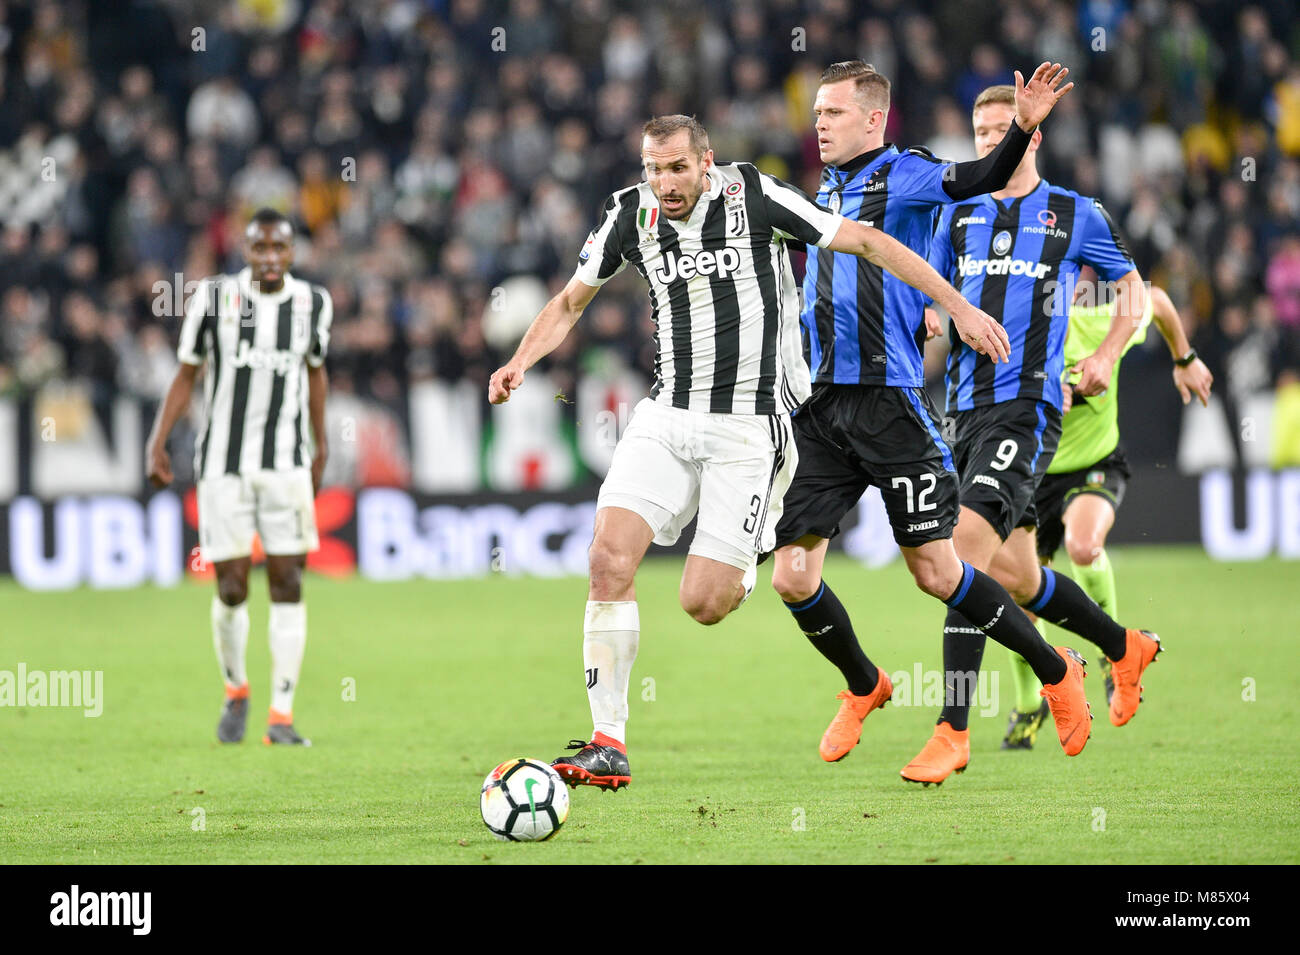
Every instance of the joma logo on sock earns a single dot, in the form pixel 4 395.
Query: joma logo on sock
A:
pixel 102 908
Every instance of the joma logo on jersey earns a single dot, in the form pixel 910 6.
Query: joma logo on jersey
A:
pixel 280 362
pixel 968 265
pixel 722 263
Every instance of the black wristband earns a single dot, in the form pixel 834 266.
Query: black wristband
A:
pixel 1187 359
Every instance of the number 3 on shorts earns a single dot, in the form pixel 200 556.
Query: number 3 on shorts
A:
pixel 750 522
pixel 928 482
pixel 1006 454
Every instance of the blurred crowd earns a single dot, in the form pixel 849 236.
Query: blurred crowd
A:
pixel 431 149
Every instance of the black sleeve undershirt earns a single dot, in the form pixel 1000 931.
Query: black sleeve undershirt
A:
pixel 979 176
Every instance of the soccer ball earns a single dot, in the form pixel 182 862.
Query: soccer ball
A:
pixel 524 800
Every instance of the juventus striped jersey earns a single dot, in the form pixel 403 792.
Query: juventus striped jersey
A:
pixel 865 326
pixel 1018 260
pixel 722 294
pixel 256 348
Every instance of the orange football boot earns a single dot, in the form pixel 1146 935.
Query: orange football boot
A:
pixel 1069 703
pixel 846 729
pixel 948 751
pixel 1142 650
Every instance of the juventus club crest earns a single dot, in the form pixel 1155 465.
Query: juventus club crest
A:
pixel 735 200
pixel 736 219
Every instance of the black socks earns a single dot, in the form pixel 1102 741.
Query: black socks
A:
pixel 1061 601
pixel 979 606
pixel 825 623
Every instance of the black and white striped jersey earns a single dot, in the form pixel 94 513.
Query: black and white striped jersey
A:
pixel 257 348
pixel 723 296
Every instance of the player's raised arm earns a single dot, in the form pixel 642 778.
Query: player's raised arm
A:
pixel 1034 101
pixel 1190 374
pixel 976 328
pixel 544 335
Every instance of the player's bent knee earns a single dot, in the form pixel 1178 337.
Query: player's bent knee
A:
pixel 609 568
pixel 794 586
pixel 232 591
pixel 1022 590
pixel 707 609
pixel 931 580
pixel 1083 550
pixel 287 592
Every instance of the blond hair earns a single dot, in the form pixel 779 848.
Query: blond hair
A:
pixel 870 89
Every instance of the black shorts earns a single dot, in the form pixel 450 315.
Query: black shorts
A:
pixel 1107 478
pixel 1002 452
pixel 852 436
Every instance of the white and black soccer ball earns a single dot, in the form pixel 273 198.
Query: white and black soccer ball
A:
pixel 524 800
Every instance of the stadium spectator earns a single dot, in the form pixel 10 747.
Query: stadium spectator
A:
pixel 429 158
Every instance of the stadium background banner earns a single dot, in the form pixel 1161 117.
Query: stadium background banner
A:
pixel 392 533
pixel 452 488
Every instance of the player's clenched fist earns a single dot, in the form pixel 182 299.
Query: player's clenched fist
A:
pixel 504 380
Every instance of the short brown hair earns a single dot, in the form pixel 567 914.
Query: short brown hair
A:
pixel 870 88
pixel 661 127
pixel 996 94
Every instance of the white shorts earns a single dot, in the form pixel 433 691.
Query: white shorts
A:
pixel 733 468
pixel 279 505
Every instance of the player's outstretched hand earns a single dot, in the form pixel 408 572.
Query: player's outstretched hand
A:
pixel 933 326
pixel 158 465
pixel 981 332
pixel 1194 379
pixel 1035 99
pixel 1094 375
pixel 504 380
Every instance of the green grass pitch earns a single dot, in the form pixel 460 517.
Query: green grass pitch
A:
pixel 449 678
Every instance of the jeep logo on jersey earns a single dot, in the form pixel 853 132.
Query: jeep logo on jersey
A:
pixel 280 362
pixel 722 262
pixel 1002 243
pixel 967 265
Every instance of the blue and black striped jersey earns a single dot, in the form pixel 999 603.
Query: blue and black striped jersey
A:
pixel 1018 260
pixel 864 325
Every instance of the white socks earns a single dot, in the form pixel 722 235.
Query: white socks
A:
pixel 230 639
pixel 611 632
pixel 288 631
